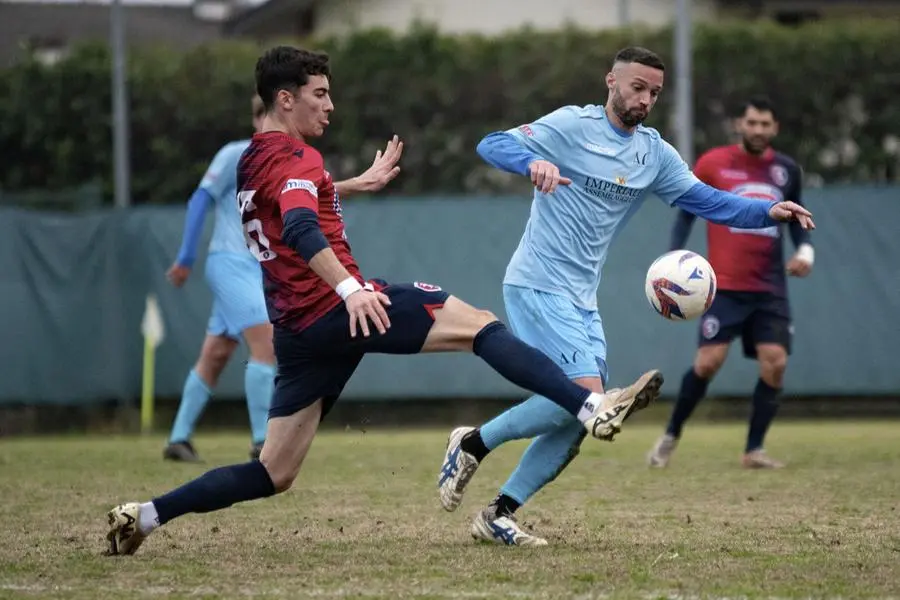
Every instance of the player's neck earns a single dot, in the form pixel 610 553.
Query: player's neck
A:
pixel 272 123
pixel 616 122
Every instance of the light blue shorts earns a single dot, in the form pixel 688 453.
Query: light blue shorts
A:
pixel 571 336
pixel 237 288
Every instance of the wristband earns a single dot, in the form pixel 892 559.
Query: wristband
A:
pixel 347 287
pixel 806 253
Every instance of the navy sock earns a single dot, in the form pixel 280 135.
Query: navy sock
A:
pixel 215 490
pixel 528 367
pixel 506 505
pixel 474 445
pixel 765 405
pixel 693 388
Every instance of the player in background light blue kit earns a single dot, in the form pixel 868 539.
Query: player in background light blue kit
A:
pixel 238 309
pixel 592 168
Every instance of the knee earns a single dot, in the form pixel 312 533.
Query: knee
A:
pixel 259 341
pixel 215 355
pixel 771 369
pixel 706 365
pixel 282 476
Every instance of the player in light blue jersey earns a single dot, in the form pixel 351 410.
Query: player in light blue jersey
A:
pixel 592 168
pixel 238 310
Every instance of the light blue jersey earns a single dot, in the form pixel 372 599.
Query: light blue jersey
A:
pixel 569 232
pixel 220 182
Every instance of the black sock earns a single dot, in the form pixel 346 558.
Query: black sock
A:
pixel 765 405
pixel 216 489
pixel 693 388
pixel 528 367
pixel 506 506
pixel 474 445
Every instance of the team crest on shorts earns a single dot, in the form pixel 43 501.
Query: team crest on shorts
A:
pixel 779 175
pixel 710 327
pixel 426 287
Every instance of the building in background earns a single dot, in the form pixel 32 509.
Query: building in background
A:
pixel 50 28
pixel 277 18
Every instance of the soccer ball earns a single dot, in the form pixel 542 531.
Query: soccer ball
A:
pixel 680 285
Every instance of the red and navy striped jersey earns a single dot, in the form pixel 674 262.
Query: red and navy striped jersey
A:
pixel 277 173
pixel 749 259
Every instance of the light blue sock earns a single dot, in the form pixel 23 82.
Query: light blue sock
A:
pixel 531 418
pixel 194 397
pixel 543 461
pixel 259 383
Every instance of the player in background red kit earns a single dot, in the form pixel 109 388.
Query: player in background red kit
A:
pixel 326 316
pixel 752 298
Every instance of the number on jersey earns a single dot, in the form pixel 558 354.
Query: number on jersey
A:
pixel 256 240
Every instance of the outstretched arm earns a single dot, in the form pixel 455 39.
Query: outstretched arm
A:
pixel 383 170
pixel 681 230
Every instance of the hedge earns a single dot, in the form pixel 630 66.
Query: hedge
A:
pixel 836 85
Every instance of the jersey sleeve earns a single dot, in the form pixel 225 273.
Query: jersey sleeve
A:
pixel 674 177
pixel 221 170
pixel 300 182
pixel 551 136
pixel 799 236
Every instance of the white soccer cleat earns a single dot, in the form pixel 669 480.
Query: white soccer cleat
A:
pixel 488 527
pixel 661 453
pixel 758 459
pixel 124 536
pixel 618 405
pixel 457 470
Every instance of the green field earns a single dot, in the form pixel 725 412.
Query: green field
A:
pixel 364 521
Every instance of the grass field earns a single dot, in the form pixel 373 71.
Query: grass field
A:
pixel 364 521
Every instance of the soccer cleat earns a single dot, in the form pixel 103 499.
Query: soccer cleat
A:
pixel 181 452
pixel 124 536
pixel 661 453
pixel 758 459
pixel 618 405
pixel 488 527
pixel 457 470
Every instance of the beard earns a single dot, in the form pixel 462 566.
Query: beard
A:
pixel 755 145
pixel 629 117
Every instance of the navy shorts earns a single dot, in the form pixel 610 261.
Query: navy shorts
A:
pixel 757 317
pixel 319 361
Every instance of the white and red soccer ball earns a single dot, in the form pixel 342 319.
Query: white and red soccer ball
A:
pixel 680 285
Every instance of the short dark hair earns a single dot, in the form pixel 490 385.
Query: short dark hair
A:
pixel 287 68
pixel 642 56
pixel 760 103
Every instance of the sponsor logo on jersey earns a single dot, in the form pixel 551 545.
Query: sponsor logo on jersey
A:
pixel 300 184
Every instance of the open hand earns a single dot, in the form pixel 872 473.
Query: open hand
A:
pixel 364 305
pixel 383 170
pixel 545 176
pixel 791 211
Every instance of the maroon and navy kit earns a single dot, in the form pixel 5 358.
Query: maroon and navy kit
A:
pixel 315 354
pixel 752 286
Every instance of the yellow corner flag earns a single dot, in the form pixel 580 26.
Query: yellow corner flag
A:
pixel 153 331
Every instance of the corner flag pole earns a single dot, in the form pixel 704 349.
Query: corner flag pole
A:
pixel 154 332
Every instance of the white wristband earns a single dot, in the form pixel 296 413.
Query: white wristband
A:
pixel 806 253
pixel 347 287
